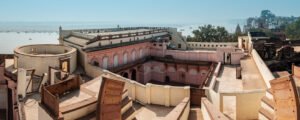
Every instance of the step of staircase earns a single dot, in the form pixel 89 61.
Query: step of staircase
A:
pixel 126 104
pixel 269 94
pixel 129 114
pixel 265 115
pixel 125 94
pixel 267 104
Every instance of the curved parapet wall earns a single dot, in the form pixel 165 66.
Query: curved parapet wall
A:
pixel 286 98
pixel 41 56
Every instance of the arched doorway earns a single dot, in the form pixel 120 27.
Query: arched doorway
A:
pixel 133 74
pixel 125 75
pixel 105 62
pixel 167 79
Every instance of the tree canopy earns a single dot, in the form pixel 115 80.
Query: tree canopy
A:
pixel 238 30
pixel 268 20
pixel 210 33
pixel 293 30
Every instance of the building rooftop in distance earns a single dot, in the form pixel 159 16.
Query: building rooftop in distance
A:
pixel 120 32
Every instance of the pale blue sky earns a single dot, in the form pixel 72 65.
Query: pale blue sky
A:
pixel 143 11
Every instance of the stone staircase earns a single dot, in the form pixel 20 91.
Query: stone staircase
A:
pixel 267 112
pixel 127 111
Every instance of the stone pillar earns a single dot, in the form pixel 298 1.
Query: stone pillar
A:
pixel 167 95
pixel 187 91
pixel 148 93
pixel 44 80
pixel 132 86
pixel 21 85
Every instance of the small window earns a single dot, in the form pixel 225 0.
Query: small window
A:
pixel 179 45
pixel 111 42
pixel 216 45
pixel 212 45
pixel 99 44
pixel 96 63
pixel 154 44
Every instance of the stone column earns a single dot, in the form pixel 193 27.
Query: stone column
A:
pixel 148 93
pixel 21 85
pixel 132 86
pixel 167 95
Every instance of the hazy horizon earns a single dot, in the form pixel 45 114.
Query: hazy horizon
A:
pixel 142 11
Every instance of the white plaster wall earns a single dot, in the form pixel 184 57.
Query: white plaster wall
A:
pixel 176 94
pixel 263 68
pixel 140 93
pixel 247 104
pixel 157 95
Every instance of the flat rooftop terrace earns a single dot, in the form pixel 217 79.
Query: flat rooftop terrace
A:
pixel 251 77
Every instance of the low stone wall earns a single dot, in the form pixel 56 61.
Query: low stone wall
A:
pixel 181 111
pixel 157 94
pixel 210 56
pixel 209 112
pixel 247 103
pixel 263 68
pixel 150 93
pixel 213 45
pixel 212 95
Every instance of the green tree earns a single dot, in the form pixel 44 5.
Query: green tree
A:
pixel 210 33
pixel 293 30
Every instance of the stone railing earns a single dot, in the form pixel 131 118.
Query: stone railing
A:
pixel 209 112
pixel 181 111
pixel 263 68
pixel 157 94
pixel 201 45
pixel 210 80
pixel 124 35
pixel 147 94
pixel 111 29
